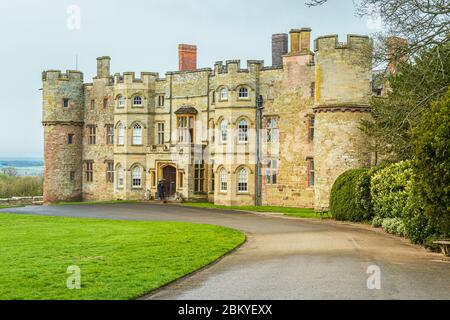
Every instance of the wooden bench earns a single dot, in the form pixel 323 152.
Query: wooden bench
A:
pixel 445 246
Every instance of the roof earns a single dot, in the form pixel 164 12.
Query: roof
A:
pixel 186 110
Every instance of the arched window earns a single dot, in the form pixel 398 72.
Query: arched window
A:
pixel 137 101
pixel 120 135
pixel 137 134
pixel 223 180
pixel 243 180
pixel 136 177
pixel 224 131
pixel 243 131
pixel 121 102
pixel 243 93
pixel 224 94
pixel 119 177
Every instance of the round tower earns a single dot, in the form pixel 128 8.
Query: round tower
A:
pixel 63 113
pixel 343 89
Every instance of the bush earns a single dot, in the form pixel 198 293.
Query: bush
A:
pixel 343 204
pixel 11 186
pixel 363 195
pixel 377 222
pixel 394 226
pixel 390 190
pixel 417 224
pixel 431 164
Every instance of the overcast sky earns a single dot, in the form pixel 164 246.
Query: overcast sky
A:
pixel 139 35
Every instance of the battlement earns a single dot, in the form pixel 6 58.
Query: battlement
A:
pixel 130 77
pixel 58 75
pixel 235 66
pixel 331 42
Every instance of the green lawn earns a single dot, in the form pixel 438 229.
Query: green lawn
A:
pixel 93 202
pixel 287 211
pixel 117 259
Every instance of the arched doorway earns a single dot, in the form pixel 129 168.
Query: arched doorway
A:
pixel 170 180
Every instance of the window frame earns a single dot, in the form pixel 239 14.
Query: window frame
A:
pixel 199 177
pixel 242 180
pixel 110 171
pixel 243 93
pixel 121 102
pixel 311 173
pixel 134 179
pixel 137 139
pixel 71 139
pixel 138 98
pixel 223 180
pixel 160 133
pixel 92 135
pixel 224 131
pixel 161 100
pixel 65 103
pixel 186 128
pixel 243 128
pixel 271 171
pixel 272 129
pixel 120 135
pixel 311 127
pixel 89 170
pixel 120 177
pixel 223 94
pixel 109 134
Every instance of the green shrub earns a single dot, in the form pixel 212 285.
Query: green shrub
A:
pixel 343 204
pixel 431 164
pixel 377 222
pixel 11 186
pixel 418 227
pixel 363 195
pixel 390 190
pixel 394 226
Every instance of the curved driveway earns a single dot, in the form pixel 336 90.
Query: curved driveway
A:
pixel 287 258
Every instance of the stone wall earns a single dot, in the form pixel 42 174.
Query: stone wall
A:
pixel 22 201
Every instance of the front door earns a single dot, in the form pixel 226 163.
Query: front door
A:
pixel 170 180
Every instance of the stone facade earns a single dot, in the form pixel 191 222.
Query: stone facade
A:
pixel 196 130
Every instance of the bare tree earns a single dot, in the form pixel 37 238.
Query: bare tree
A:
pixel 10 172
pixel 423 23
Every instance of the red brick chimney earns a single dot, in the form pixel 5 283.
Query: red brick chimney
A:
pixel 187 57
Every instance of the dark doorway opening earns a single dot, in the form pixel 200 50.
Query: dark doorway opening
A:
pixel 170 180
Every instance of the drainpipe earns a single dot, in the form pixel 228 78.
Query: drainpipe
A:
pixel 259 109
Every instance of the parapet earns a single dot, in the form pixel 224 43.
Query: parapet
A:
pixel 235 66
pixel 57 75
pixel 331 42
pixel 130 77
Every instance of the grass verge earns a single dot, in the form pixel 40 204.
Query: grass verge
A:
pixel 117 259
pixel 287 211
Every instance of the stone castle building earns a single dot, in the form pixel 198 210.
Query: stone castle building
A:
pixel 208 132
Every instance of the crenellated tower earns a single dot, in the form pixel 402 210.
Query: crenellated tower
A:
pixel 343 88
pixel 63 116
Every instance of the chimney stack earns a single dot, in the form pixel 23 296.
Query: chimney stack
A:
pixel 187 57
pixel 397 52
pixel 103 67
pixel 305 40
pixel 280 46
pixel 295 41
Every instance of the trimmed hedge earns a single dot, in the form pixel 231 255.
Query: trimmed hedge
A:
pixel 390 189
pixel 431 164
pixel 343 204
